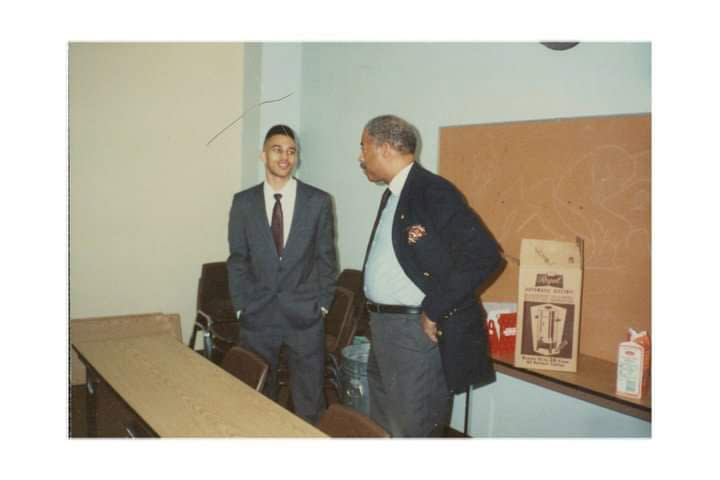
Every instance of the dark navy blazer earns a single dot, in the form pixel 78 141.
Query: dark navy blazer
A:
pixel 444 248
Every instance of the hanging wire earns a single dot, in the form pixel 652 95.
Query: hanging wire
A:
pixel 243 114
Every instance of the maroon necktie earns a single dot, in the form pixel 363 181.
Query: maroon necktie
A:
pixel 277 225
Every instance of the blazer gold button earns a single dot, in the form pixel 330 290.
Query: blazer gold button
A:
pixel 427 274
pixel 439 333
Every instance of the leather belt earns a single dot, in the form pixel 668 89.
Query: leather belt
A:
pixel 401 309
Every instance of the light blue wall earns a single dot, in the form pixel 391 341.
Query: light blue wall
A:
pixel 514 408
pixel 272 71
pixel 250 122
pixel 342 85
pixel 441 84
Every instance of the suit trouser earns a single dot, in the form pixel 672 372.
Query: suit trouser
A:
pixel 306 363
pixel 408 393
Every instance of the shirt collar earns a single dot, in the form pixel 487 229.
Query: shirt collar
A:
pixel 286 191
pixel 398 182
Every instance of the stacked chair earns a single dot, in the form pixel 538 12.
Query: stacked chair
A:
pixel 215 313
pixel 340 421
pixel 246 366
pixel 352 280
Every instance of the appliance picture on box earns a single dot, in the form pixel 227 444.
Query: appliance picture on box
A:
pixel 550 327
pixel 548 323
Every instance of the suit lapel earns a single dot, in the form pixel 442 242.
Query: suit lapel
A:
pixel 301 216
pixel 401 211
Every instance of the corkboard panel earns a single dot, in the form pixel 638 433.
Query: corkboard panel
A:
pixel 558 180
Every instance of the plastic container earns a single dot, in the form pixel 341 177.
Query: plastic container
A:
pixel 353 377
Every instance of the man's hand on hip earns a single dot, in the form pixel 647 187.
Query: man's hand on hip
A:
pixel 429 327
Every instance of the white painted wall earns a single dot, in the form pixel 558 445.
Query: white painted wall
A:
pixel 149 200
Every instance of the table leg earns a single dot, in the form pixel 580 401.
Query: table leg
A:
pixel 91 383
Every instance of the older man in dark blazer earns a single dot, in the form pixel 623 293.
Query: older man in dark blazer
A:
pixel 282 270
pixel 427 255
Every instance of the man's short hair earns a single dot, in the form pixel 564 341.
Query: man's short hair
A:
pixel 279 130
pixel 393 130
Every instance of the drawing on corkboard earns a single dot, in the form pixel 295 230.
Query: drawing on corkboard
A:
pixel 558 180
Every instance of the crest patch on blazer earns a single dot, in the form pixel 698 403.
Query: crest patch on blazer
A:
pixel 415 233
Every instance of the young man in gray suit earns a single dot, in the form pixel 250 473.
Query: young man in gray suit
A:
pixel 282 270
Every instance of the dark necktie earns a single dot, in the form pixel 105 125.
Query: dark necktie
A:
pixel 277 225
pixel 383 202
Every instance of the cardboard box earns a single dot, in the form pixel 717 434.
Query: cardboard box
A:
pixel 633 372
pixel 630 370
pixel 643 339
pixel 548 317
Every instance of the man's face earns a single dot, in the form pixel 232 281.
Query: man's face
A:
pixel 369 158
pixel 279 155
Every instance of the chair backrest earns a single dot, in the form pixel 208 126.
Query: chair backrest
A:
pixel 340 320
pixel 213 296
pixel 353 280
pixel 340 421
pixel 246 366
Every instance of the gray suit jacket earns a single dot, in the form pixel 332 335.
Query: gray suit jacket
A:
pixel 288 292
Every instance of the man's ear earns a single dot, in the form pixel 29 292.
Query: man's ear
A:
pixel 263 157
pixel 385 149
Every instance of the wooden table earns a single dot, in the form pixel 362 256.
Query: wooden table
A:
pixel 179 393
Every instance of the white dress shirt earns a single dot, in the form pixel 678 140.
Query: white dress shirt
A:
pixel 287 201
pixel 385 280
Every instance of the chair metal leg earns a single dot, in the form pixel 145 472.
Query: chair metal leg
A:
pixel 91 403
pixel 193 335
pixel 207 344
